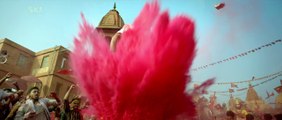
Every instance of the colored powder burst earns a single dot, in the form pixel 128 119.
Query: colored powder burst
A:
pixel 145 78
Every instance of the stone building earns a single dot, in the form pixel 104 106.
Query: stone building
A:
pixel 45 64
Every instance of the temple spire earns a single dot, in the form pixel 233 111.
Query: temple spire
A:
pixel 115 6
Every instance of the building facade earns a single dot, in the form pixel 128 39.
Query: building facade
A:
pixel 18 57
pixel 45 64
pixel 45 67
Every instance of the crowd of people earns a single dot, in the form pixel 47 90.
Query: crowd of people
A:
pixel 207 111
pixel 230 115
pixel 16 104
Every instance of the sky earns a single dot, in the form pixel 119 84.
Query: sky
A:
pixel 238 27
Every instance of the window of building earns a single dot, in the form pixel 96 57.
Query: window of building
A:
pixel 58 87
pixel 44 62
pixel 64 61
pixel 22 60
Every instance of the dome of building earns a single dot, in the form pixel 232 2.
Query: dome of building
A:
pixel 110 24
pixel 111 20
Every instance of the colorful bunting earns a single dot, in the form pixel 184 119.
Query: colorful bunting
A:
pixel 275 75
pixel 233 85
pixel 277 89
pixel 231 90
pixel 242 89
pixel 239 55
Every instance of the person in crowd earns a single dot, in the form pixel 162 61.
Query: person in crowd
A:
pixel 6 103
pixel 16 85
pixel 56 111
pixel 35 108
pixel 230 115
pixel 14 109
pixel 71 109
pixel 250 117
pixel 2 80
pixel 204 111
pixel 117 36
pixel 218 112
pixel 278 116
pixel 267 116
pixel 8 97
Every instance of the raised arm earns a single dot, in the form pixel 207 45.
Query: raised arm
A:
pixel 68 92
pixel 16 85
pixel 114 41
pixel 117 36
pixel 55 96
pixel 8 75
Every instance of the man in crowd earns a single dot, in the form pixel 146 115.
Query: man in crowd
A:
pixel 7 97
pixel 230 115
pixel 35 108
pixel 71 109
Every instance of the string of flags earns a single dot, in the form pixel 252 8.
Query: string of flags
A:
pixel 234 84
pixel 269 95
pixel 244 93
pixel 231 90
pixel 228 94
pixel 237 56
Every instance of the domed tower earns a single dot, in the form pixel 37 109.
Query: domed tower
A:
pixel 111 23
pixel 254 102
pixel 252 94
